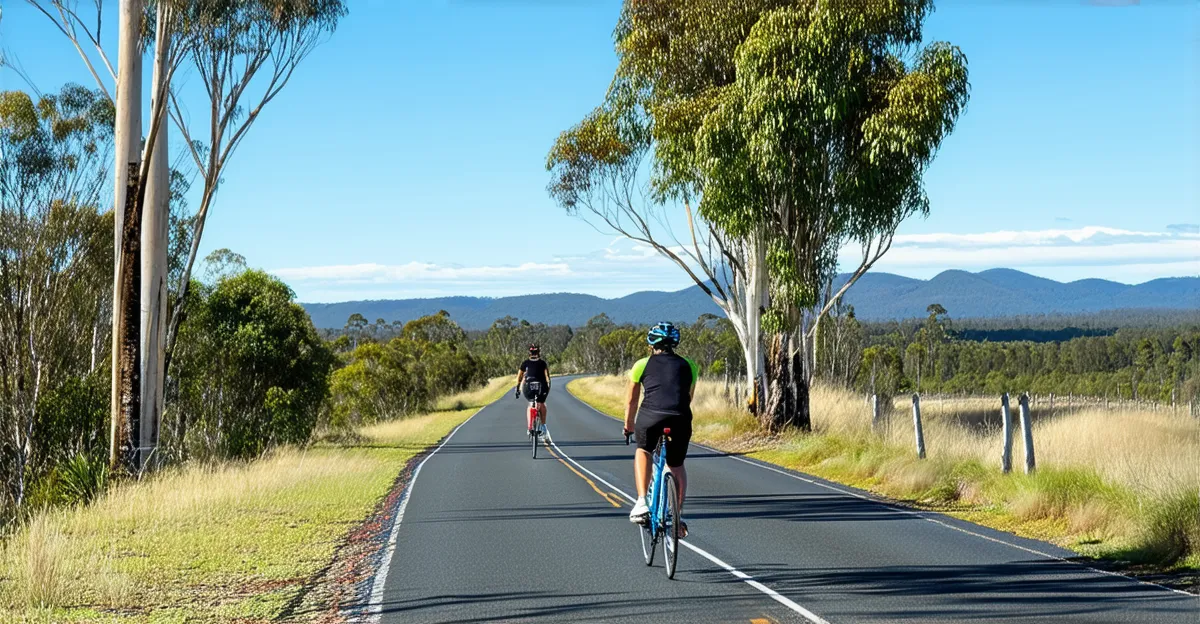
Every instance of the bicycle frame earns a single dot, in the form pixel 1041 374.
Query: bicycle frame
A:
pixel 533 406
pixel 656 486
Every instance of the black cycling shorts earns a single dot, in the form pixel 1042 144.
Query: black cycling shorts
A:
pixel 536 391
pixel 648 428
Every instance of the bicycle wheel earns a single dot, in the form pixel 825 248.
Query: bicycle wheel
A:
pixel 648 542
pixel 671 523
pixel 533 433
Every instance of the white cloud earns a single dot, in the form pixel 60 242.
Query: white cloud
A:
pixel 1063 250
pixel 417 272
pixel 1093 235
pixel 623 266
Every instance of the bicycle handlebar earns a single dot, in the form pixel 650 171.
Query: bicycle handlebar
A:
pixel 628 435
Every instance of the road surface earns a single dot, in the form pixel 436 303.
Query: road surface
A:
pixel 490 534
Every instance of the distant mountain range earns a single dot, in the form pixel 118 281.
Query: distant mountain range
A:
pixel 877 296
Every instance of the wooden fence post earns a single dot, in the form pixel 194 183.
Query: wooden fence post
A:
pixel 917 426
pixel 1006 453
pixel 875 412
pixel 1027 432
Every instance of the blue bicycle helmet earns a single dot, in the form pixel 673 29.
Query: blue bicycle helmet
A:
pixel 664 336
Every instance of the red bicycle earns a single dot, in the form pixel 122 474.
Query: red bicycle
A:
pixel 535 431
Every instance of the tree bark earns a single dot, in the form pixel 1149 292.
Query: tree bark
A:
pixel 787 399
pixel 126 276
pixel 128 325
pixel 154 255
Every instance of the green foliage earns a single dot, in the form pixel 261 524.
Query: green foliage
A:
pixel 56 253
pixel 503 347
pixel 1158 364
pixel 251 371
pixel 824 135
pixel 72 419
pixel 404 376
pixel 1172 530
pixel 82 478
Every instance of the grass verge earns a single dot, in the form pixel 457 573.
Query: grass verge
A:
pixel 1120 487
pixel 224 543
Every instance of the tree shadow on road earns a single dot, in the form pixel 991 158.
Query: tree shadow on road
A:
pixel 1043 588
pixel 798 507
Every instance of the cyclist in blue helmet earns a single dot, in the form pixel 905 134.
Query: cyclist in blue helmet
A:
pixel 665 383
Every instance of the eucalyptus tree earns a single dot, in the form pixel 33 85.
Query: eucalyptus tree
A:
pixel 245 53
pixel 796 126
pixel 140 172
pixel 54 257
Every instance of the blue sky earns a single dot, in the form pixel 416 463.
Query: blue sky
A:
pixel 406 158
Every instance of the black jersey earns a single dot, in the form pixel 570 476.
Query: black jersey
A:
pixel 667 381
pixel 535 370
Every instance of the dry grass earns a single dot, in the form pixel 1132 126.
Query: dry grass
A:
pixel 479 397
pixel 220 543
pixel 1116 483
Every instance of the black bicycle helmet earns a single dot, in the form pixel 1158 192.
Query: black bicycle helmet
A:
pixel 535 350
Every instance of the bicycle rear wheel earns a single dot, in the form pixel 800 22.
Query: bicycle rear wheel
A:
pixel 671 523
pixel 533 429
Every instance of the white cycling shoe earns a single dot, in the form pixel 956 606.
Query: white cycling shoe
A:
pixel 639 512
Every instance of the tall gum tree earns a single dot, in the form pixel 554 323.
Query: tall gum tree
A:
pixel 245 54
pixel 140 172
pixel 795 126
pixel 822 139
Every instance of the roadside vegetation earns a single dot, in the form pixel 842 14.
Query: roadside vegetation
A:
pixel 220 542
pixel 1118 485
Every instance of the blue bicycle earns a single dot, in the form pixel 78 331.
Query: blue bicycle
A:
pixel 663 498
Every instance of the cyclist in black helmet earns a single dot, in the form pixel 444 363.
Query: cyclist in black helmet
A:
pixel 665 383
pixel 535 373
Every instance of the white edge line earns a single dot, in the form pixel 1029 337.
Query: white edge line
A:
pixel 375 602
pixel 920 514
pixel 749 580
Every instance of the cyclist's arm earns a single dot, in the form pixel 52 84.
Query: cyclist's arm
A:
pixel 631 405
pixel 635 392
pixel 547 376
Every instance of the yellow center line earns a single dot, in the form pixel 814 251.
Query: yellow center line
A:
pixel 608 497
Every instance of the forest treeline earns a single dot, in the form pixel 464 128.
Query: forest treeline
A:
pixel 1159 364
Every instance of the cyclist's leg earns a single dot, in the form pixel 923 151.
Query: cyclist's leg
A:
pixel 647 429
pixel 641 472
pixel 681 436
pixel 542 405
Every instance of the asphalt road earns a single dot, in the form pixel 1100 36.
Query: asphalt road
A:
pixel 490 534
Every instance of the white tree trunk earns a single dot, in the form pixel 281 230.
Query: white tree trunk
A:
pixel 154 255
pixel 128 133
pixel 743 312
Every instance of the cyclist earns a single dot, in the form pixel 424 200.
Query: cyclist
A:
pixel 668 382
pixel 535 372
